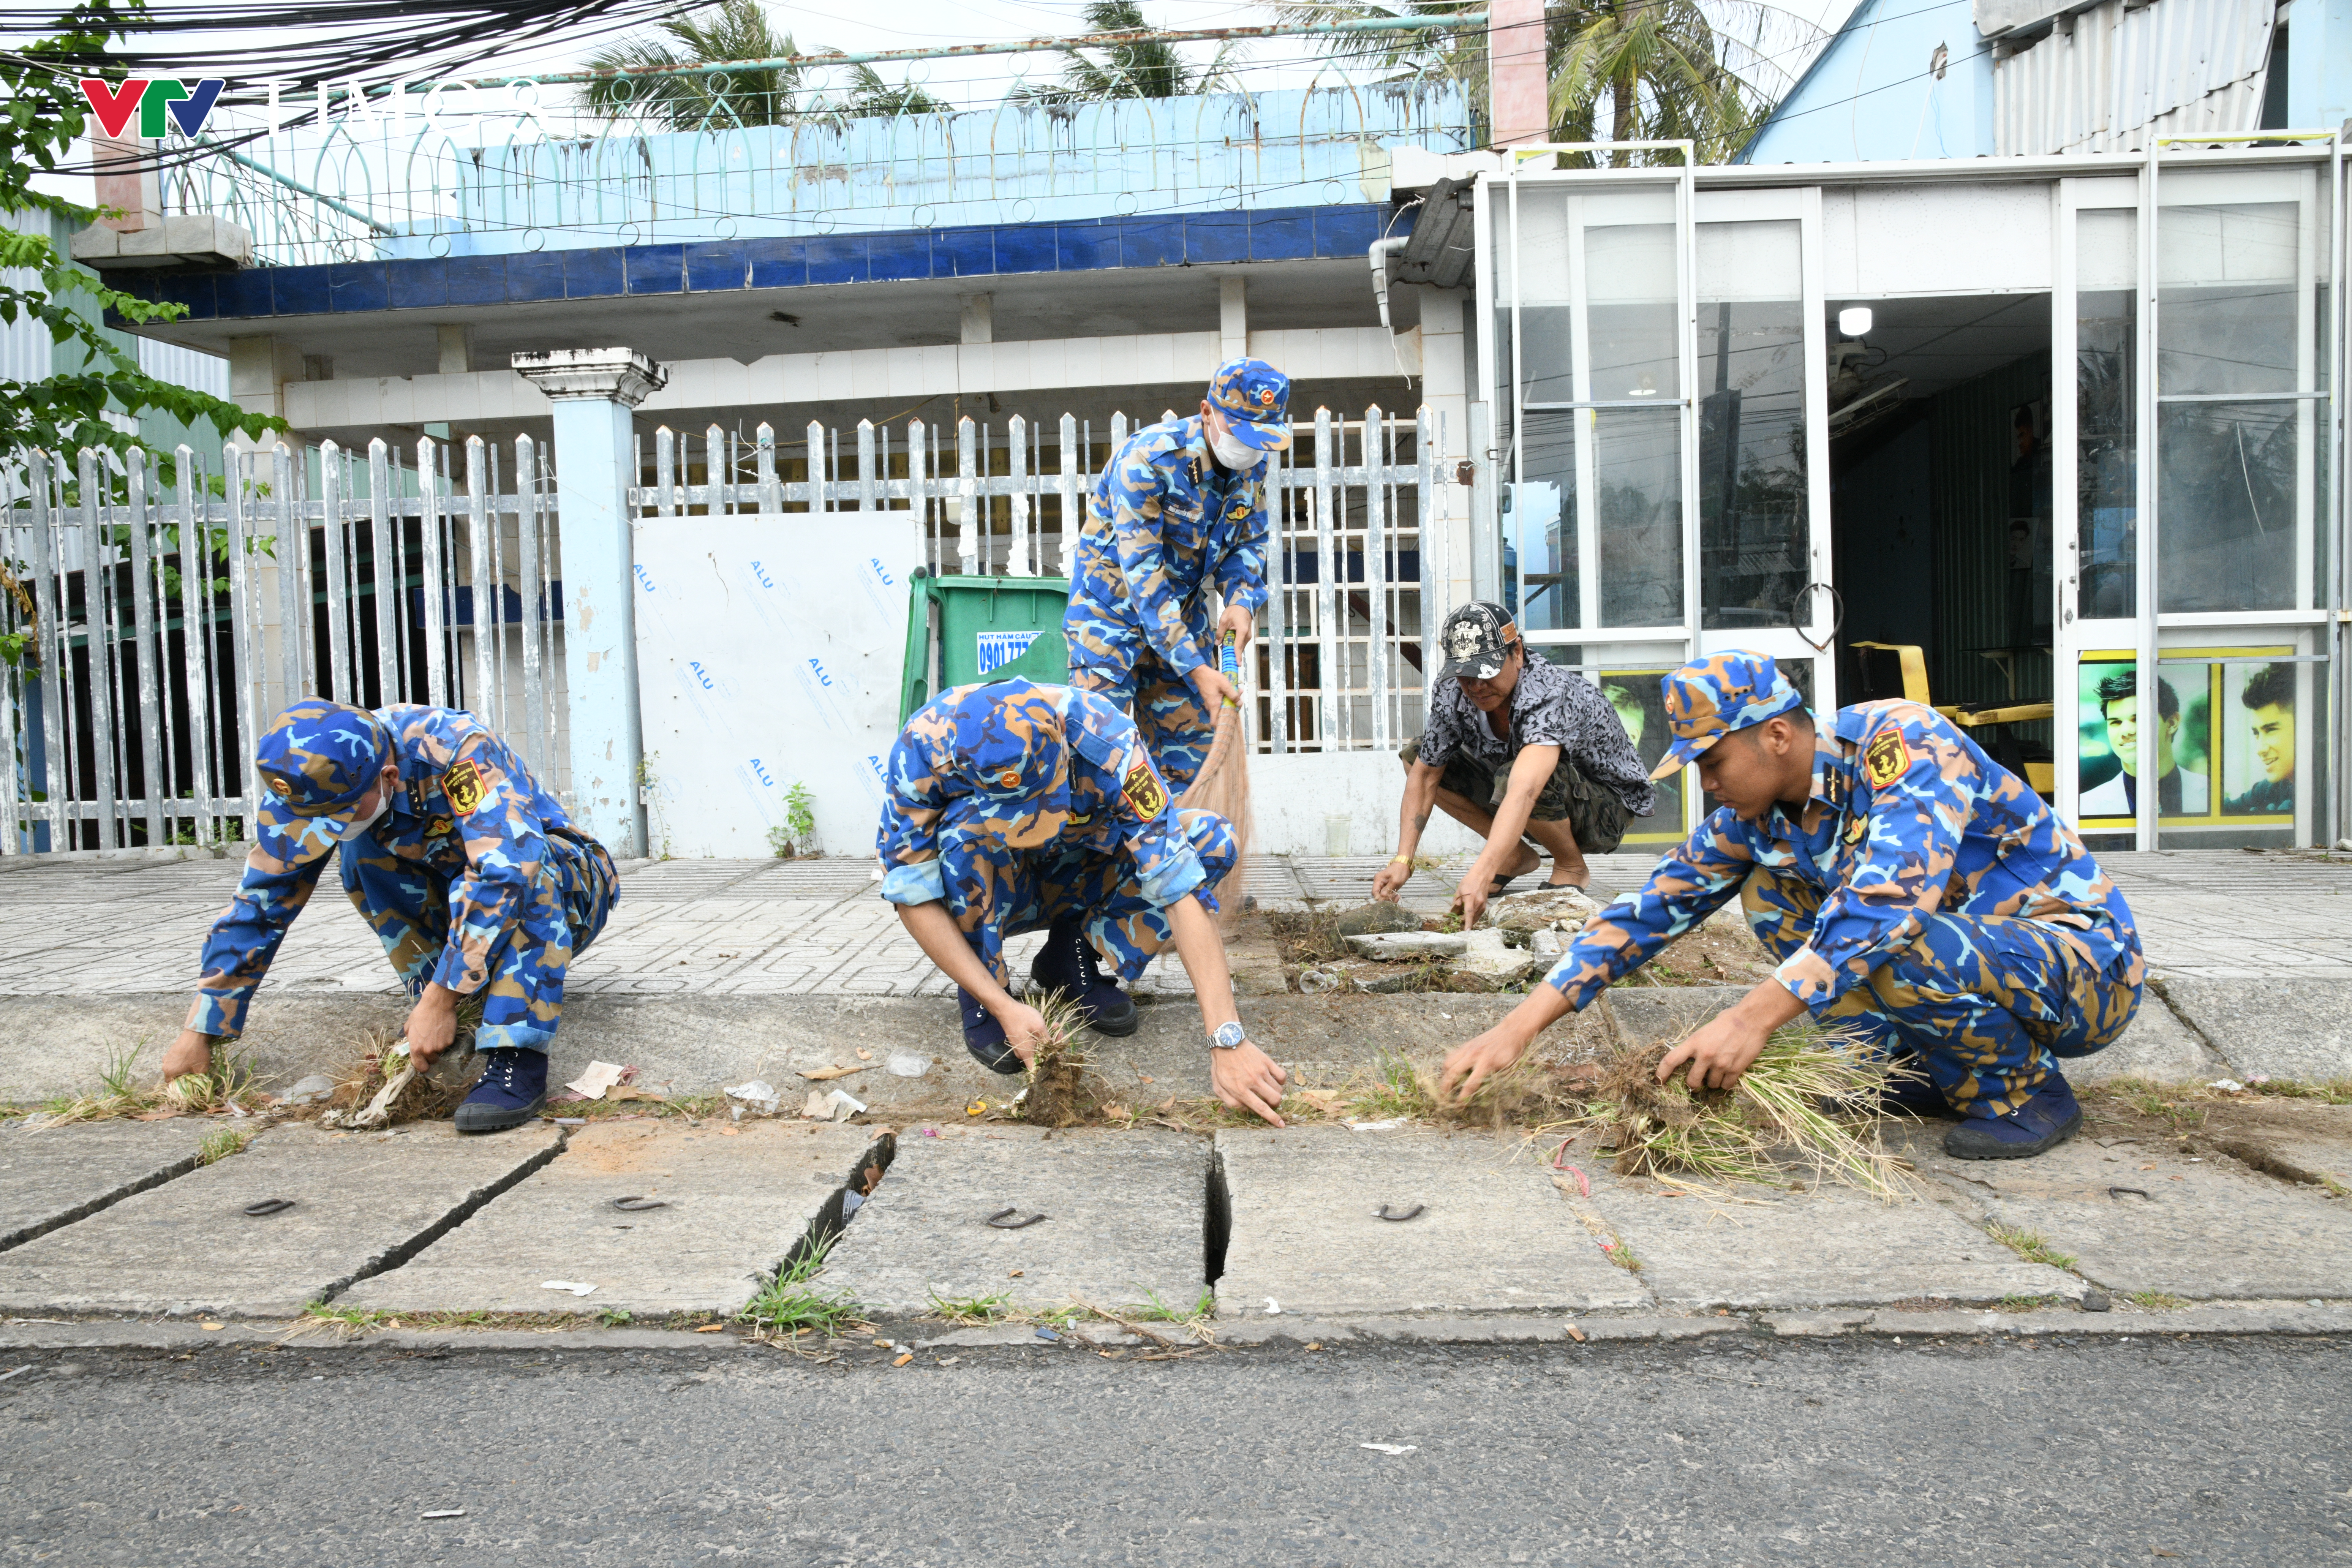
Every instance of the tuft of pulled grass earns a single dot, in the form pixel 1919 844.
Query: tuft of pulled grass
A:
pixel 376 1058
pixel 1064 1089
pixel 122 1097
pixel 1809 1100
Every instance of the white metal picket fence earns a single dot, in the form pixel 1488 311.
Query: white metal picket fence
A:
pixel 150 620
pixel 1352 584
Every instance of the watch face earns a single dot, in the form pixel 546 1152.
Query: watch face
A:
pixel 1231 1034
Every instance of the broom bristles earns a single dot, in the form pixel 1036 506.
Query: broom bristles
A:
pixel 1222 786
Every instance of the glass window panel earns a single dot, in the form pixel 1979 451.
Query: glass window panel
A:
pixel 2232 507
pixel 1638 495
pixel 1751 462
pixel 2107 444
pixel 1629 289
pixel 2228 276
pixel 1540 585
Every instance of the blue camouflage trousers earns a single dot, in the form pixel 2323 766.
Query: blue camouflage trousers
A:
pixel 1176 726
pixel 1985 1002
pixel 995 891
pixel 406 902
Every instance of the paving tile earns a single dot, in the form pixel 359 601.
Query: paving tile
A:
pixel 53 1176
pixel 1493 1234
pixel 739 1201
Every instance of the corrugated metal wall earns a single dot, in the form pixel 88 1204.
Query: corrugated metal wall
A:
pixel 23 344
pixel 191 368
pixel 2170 67
pixel 1971 443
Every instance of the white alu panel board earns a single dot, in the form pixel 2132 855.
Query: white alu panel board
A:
pixel 768 652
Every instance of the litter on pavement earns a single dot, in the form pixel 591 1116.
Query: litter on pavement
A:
pixel 600 1077
pixel 1392 1449
pixel 576 1287
pixel 758 1093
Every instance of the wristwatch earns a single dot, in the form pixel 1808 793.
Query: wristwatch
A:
pixel 1228 1038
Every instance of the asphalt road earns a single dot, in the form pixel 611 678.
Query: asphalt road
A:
pixel 2198 1451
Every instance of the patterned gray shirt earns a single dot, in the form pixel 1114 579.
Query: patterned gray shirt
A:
pixel 1549 707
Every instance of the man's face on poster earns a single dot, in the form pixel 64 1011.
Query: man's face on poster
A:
pixel 2273 730
pixel 2122 714
pixel 1629 713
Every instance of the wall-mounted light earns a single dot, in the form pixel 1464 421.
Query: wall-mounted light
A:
pixel 1854 322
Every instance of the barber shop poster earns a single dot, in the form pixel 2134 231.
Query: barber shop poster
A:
pixel 2227 745
pixel 1641 708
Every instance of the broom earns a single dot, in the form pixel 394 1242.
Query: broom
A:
pixel 1223 784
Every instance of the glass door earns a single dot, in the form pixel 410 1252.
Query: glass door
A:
pixel 2199 498
pixel 1587 332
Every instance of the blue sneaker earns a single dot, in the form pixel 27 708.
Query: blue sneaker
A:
pixel 983 1036
pixel 510 1091
pixel 2038 1126
pixel 1066 963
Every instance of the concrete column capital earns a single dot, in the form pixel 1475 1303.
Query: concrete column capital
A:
pixel 600 375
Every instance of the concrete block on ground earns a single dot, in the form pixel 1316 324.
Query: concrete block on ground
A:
pixel 1126 1217
pixel 1653 1014
pixel 363 1202
pixel 1759 1246
pixel 2207 1228
pixel 2276 1027
pixel 2156 1045
pixel 738 1200
pixel 55 1175
pixel 1492 1235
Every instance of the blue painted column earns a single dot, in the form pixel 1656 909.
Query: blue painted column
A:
pixel 594 392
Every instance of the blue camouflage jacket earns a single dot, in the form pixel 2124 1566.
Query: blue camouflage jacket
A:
pixel 468 810
pixel 1908 819
pixel 1165 517
pixel 935 824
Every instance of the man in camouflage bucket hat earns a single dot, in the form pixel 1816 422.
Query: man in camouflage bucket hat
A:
pixel 471 875
pixel 1913 890
pixel 1014 807
pixel 1180 507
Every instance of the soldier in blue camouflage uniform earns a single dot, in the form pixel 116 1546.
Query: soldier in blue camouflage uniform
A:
pixel 1911 889
pixel 469 872
pixel 1180 507
pixel 1014 807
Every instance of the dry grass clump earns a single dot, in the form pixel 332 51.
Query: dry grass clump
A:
pixel 1809 1100
pixel 122 1097
pixel 1064 1089
pixel 377 1058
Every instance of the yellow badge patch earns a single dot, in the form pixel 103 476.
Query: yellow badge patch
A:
pixel 1886 759
pixel 1145 796
pixel 463 785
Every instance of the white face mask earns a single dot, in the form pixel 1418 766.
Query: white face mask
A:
pixel 1233 453
pixel 359 824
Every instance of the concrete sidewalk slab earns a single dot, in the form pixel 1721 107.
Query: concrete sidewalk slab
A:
pixel 739 1201
pixel 363 1203
pixel 1127 1218
pixel 1492 1235
pixel 2277 1027
pixel 2206 1229
pixel 1833 1247
pixel 56 1175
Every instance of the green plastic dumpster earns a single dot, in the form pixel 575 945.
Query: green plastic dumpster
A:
pixel 964 629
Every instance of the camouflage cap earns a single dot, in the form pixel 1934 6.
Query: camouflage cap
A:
pixel 1709 697
pixel 1254 398
pixel 1009 748
pixel 314 762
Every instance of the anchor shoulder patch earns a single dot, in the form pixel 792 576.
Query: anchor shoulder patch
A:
pixel 1145 796
pixel 1886 759
pixel 463 784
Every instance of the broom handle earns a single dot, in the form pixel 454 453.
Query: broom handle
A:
pixel 1229 722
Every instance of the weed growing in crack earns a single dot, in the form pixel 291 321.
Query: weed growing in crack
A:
pixel 970 1309
pixel 2156 1301
pixel 122 1097
pixel 790 1304
pixel 2029 1245
pixel 218 1146
pixel 2027 1302
pixel 1160 1312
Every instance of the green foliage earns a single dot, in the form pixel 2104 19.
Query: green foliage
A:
pixel 868 94
pixel 790 1303
pixel 2030 1246
pixel 1146 68
pixel 800 812
pixel 45 113
pixel 735 30
pixel 972 1309
pixel 218 1146
pixel 1629 69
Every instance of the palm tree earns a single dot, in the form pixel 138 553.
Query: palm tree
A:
pixel 736 30
pixel 868 94
pixel 1148 67
pixel 1649 69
